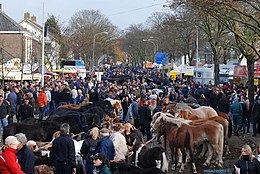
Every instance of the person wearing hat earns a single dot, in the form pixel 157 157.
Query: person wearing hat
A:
pixel 100 162
pixel 8 160
pixel 105 145
pixel 25 110
pixel 25 155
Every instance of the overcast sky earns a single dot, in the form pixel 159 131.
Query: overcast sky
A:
pixel 122 13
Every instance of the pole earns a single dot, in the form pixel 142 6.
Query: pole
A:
pixel 197 47
pixel 42 76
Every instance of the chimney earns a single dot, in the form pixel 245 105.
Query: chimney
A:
pixel 27 16
pixel 33 18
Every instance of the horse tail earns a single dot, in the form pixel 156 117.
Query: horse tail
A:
pixel 230 127
pixel 165 163
pixel 187 142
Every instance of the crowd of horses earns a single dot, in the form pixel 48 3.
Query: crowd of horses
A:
pixel 185 128
pixel 182 127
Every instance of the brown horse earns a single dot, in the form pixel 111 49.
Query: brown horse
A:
pixel 222 119
pixel 178 137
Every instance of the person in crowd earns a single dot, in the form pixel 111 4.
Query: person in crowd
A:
pixel 134 109
pixel 64 96
pixel 12 97
pixel 62 154
pixel 146 118
pixel 11 112
pixel 166 103
pixel 223 103
pixel 19 100
pixel 236 111
pixel 119 142
pixel 74 95
pixel 153 105
pixel 202 101
pixel 101 164
pixel 125 105
pixel 48 95
pixel 42 101
pixel 25 156
pixel 88 148
pixel 25 110
pixel 190 99
pixel 80 98
pixel 8 161
pixel 257 150
pixel 31 100
pixel 4 114
pixel 105 145
pixel 256 117
pixel 247 163
pixel 245 113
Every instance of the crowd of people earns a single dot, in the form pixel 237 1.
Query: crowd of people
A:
pixel 142 93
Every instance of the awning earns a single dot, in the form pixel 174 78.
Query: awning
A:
pixel 189 74
pixel 174 73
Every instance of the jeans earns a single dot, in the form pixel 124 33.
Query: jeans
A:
pixel 146 129
pixel 237 120
pixel 3 123
pixel 246 124
pixel 42 111
pixel 256 126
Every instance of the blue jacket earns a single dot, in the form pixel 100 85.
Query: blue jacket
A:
pixel 106 146
pixel 236 109
pixel 26 159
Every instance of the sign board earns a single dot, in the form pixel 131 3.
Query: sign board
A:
pixel 161 58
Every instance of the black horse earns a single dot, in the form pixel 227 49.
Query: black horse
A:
pixel 41 131
pixel 78 121
pixel 103 105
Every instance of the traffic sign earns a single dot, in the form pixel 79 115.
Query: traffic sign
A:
pixel 161 58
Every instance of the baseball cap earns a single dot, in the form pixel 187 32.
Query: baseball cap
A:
pixel 11 140
pixel 99 156
pixel 104 131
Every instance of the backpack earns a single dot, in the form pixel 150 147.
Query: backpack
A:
pixel 91 151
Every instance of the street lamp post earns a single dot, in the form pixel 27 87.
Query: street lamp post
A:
pixel 94 42
pixel 43 40
pixel 154 47
pixel 157 43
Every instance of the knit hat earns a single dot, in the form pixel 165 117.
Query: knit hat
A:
pixel 104 131
pixel 99 156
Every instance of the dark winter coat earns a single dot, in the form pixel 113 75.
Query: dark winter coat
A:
pixel 248 166
pixel 223 105
pixel 145 115
pixel 88 148
pixel 26 159
pixel 256 109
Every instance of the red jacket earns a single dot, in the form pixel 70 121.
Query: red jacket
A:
pixel 9 162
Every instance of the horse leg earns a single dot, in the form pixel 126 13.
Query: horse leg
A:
pixel 193 166
pixel 183 161
pixel 204 148
pixel 179 155
pixel 174 159
pixel 210 154
pixel 227 148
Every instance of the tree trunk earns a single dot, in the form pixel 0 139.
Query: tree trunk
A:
pixel 216 68
pixel 250 69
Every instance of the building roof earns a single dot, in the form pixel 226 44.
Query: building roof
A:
pixel 8 24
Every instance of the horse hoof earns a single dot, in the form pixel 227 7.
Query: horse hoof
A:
pixel 173 168
pixel 195 171
pixel 180 171
pixel 205 164
pixel 179 164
